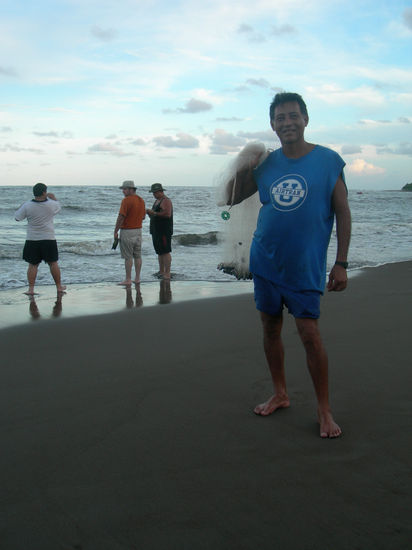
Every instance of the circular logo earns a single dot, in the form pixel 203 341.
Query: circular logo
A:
pixel 288 192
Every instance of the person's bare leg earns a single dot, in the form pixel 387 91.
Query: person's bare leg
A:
pixel 275 356
pixel 166 260
pixel 128 264
pixel 31 278
pixel 55 272
pixel 159 259
pixel 317 361
pixel 137 267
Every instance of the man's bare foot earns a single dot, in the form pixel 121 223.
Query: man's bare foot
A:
pixel 61 289
pixel 137 281
pixel 273 403
pixel 125 283
pixel 30 292
pixel 328 427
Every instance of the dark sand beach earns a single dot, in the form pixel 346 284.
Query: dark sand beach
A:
pixel 135 430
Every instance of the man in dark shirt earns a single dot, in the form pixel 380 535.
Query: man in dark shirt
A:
pixel 161 228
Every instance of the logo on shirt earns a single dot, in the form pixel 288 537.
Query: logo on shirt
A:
pixel 288 192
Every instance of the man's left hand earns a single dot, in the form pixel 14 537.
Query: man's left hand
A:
pixel 338 279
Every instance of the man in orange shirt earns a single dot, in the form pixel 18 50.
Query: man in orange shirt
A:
pixel 131 214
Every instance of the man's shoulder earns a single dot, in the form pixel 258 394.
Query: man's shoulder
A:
pixel 52 204
pixel 326 151
pixel 138 200
pixel 165 200
pixel 134 198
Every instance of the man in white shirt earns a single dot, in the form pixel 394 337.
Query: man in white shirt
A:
pixel 40 241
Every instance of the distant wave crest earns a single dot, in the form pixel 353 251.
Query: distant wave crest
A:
pixel 196 239
pixel 81 248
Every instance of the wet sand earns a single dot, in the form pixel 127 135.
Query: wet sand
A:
pixel 91 299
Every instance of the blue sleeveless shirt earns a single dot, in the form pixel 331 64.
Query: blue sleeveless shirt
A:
pixel 295 221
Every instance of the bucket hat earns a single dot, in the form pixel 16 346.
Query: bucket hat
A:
pixel 128 184
pixel 156 187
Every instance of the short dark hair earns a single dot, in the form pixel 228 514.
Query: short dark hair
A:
pixel 39 189
pixel 287 97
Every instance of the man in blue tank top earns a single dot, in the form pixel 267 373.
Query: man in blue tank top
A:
pixel 301 187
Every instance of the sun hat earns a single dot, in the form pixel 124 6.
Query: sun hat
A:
pixel 128 184
pixel 156 187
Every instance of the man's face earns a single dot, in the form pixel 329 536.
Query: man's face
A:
pixel 289 123
pixel 127 191
pixel 157 194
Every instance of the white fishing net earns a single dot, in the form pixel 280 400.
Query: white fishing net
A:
pixel 238 228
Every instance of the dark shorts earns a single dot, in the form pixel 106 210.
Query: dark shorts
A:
pixel 162 243
pixel 36 251
pixel 271 298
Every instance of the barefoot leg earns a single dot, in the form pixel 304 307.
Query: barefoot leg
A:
pixel 31 278
pixel 137 267
pixel 273 346
pixel 55 272
pixel 317 361
pixel 328 427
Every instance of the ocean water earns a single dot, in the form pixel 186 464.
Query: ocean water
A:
pixel 381 233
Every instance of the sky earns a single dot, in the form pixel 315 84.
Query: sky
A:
pixel 96 92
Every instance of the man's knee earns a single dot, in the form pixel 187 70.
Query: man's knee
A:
pixel 309 332
pixel 272 324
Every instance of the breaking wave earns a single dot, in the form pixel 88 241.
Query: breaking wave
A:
pixel 196 239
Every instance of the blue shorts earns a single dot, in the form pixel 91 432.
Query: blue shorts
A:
pixel 270 298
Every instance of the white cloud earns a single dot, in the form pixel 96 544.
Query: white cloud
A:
pixel 181 141
pixel 51 133
pixel 192 106
pixel 244 28
pixel 407 18
pixel 223 142
pixel 10 147
pixel 267 136
pixel 107 148
pixel 260 82
pixel 404 149
pixel 279 30
pixel 106 35
pixel 333 94
pixel 8 71
pixel 351 149
pixel 360 166
pixel 138 142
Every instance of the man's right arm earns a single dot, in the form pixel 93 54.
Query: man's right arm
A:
pixel 119 223
pixel 241 187
pixel 243 184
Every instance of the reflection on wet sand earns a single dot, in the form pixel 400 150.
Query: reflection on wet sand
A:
pixel 35 312
pixel 165 292
pixel 129 297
